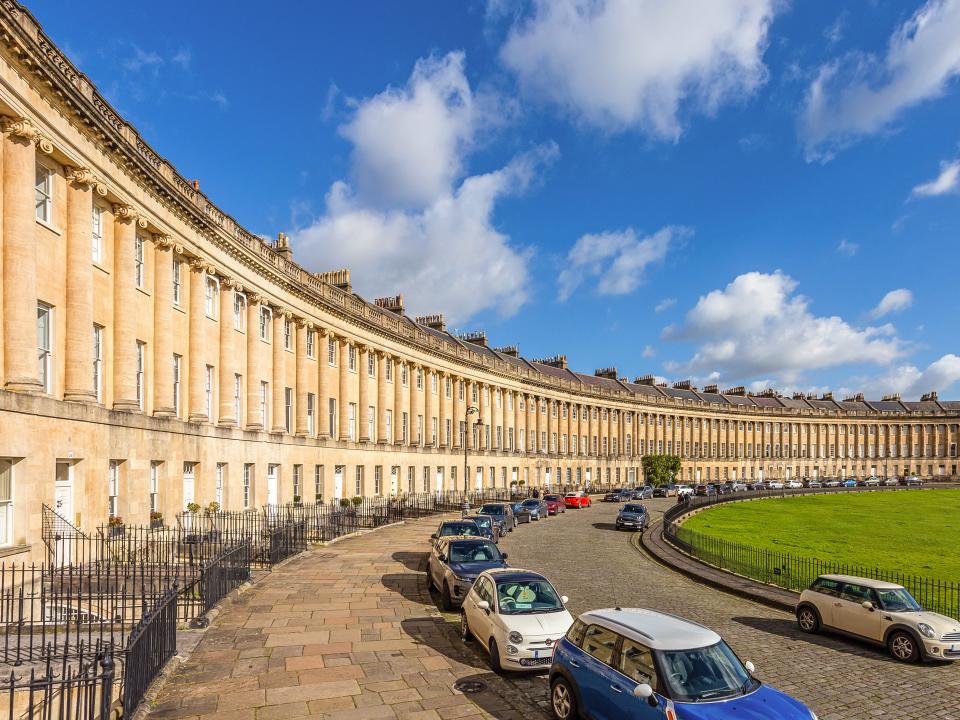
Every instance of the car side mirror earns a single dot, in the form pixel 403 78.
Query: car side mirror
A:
pixel 433 536
pixel 645 692
pixel 564 599
pixel 441 557
pixel 749 666
pixel 867 605
pixel 484 605
pixel 503 555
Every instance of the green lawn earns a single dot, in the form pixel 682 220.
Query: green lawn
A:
pixel 910 532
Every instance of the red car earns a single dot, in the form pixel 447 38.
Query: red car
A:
pixel 555 504
pixel 576 500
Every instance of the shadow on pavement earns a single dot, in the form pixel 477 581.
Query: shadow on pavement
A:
pixel 412 560
pixel 605 526
pixel 411 586
pixel 500 696
pixel 788 629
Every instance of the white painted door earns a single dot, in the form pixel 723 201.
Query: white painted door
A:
pixel 273 485
pixel 189 491
pixel 479 480
pixel 338 482
pixel 439 479
pixel 63 504
pixel 395 480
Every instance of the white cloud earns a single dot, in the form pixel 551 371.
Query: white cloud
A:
pixel 758 326
pixel 848 248
pixel 946 182
pixel 833 33
pixel 664 305
pixel 620 64
pixel 648 351
pixel 911 382
pixel 142 59
pixel 182 58
pixel 893 301
pixel 618 258
pixel 860 94
pixel 409 143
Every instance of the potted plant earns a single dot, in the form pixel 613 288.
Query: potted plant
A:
pixel 297 500
pixel 193 508
pixel 344 503
pixel 212 508
pixel 156 520
pixel 115 525
pixel 357 501
pixel 318 498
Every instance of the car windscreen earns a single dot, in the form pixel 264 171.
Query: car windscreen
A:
pixel 631 508
pixel 462 552
pixel 525 597
pixel 491 510
pixel 898 600
pixel 531 503
pixel 707 673
pixel 551 497
pixel 459 529
pixel 483 522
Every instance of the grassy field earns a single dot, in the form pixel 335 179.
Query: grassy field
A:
pixel 911 532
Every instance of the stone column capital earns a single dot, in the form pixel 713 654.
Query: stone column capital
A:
pixel 227 282
pixel 128 214
pixel 24 129
pixel 199 265
pixel 84 178
pixel 254 298
pixel 162 241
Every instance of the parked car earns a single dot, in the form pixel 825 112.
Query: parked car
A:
pixel 456 527
pixel 848 483
pixel 872 481
pixel 455 563
pixel 487 525
pixel 879 612
pixel 537 508
pixel 756 486
pixel 576 500
pixel 890 481
pixel 739 486
pixel 774 485
pixel 831 482
pixel 642 493
pixel 633 516
pixel 723 489
pixel 555 504
pixel 912 480
pixel 517 615
pixel 618 495
pixel 521 513
pixel 793 484
pixel 647 665
pixel 502 512
pixel 665 490
pixel 704 489
pixel 812 483
pixel 683 490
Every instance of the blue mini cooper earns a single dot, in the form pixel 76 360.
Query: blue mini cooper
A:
pixel 643 664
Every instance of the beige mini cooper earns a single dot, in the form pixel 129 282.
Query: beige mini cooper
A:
pixel 880 612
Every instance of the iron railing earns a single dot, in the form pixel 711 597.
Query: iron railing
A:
pixel 78 689
pixel 152 643
pixel 223 575
pixel 793 572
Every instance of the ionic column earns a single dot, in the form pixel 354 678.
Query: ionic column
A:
pixel 459 408
pixel 363 400
pixel 126 222
pixel 551 424
pixel 302 379
pixel 443 440
pixel 19 256
pixel 280 317
pixel 196 364
pixel 468 401
pixel 78 375
pixel 227 354
pixel 591 429
pixel 163 325
pixel 344 388
pixel 323 385
pixel 518 416
pixel 415 406
pixel 398 400
pixel 429 407
pixel 254 418
pixel 382 398
pixel 485 413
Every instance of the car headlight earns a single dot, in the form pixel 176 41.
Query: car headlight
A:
pixel 511 650
pixel 926 630
pixel 515 637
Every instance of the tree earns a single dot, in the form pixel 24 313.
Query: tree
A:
pixel 661 469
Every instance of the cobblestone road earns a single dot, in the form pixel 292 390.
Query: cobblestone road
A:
pixel 589 560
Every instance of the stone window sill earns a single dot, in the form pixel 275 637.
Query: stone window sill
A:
pixel 48 226
pixel 9 550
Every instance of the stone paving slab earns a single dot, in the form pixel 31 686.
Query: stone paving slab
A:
pixel 347 631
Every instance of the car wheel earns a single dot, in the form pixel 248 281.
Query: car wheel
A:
pixel 563 703
pixel 445 600
pixel 808 619
pixel 465 633
pixel 903 647
pixel 495 657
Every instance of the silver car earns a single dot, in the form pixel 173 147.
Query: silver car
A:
pixel 455 563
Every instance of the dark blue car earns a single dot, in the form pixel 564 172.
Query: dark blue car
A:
pixel 646 665
pixel 456 562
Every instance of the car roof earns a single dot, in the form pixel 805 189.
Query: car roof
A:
pixel 656 630
pixel 867 582
pixel 513 575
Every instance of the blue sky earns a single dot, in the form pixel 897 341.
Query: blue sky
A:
pixel 744 192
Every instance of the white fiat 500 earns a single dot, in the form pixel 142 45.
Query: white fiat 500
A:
pixel 517 615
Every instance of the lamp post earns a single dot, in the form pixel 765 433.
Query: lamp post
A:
pixel 471 410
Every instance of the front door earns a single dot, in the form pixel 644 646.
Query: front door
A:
pixel 189 492
pixel 440 480
pixel 850 615
pixel 273 485
pixel 63 504
pixel 395 480
pixel 479 480
pixel 595 675
pixel 338 483
pixel 635 666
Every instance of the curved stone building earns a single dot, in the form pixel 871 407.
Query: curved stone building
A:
pixel 154 353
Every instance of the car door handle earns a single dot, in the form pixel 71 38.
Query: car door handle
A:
pixel 616 689
pixel 574 663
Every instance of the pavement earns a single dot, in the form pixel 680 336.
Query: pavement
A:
pixel 351 631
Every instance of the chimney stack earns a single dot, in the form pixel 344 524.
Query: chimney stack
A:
pixel 610 373
pixel 894 397
pixel 477 337
pixel 434 322
pixel 645 380
pixel 929 397
pixel 337 278
pixel 282 246
pixel 511 350
pixel 711 389
pixel 393 304
pixel 557 361
pixel 738 390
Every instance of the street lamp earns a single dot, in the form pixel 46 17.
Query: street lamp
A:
pixel 471 410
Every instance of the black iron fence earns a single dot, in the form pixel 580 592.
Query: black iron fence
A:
pixel 152 643
pixel 793 572
pixel 77 689
pixel 223 575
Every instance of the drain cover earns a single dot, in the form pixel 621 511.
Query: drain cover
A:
pixel 469 687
